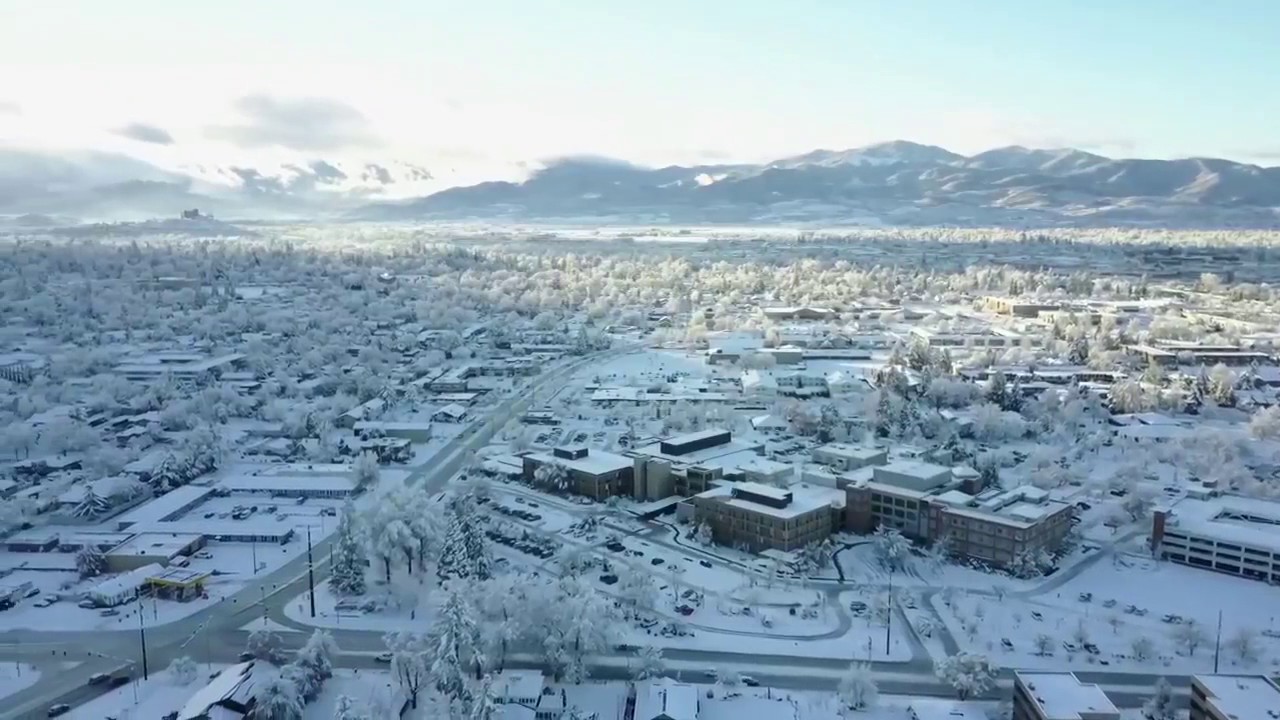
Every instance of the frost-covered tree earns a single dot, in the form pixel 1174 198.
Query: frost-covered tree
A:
pixel 648 663
pixel 703 534
pixel 92 505
pixel 1265 423
pixel 183 670
pixel 316 656
pixel 366 471
pixel 580 623
pixel 90 562
pixel 484 703
pixel 279 700
pixel 1161 705
pixel 348 708
pixel 465 551
pixel 1189 636
pixel 1142 647
pixel 409 663
pixel 857 689
pixel 347 574
pixel 637 590
pixel 552 477
pixel 453 649
pixel 1043 644
pixel 265 645
pixel 1243 643
pixel 969 674
pixel 891 547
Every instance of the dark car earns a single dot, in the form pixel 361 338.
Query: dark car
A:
pixel 120 680
pixel 59 709
pixel 99 679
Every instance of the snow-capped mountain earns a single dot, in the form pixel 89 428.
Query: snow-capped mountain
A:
pixel 894 183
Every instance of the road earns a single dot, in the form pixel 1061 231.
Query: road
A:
pixel 216 635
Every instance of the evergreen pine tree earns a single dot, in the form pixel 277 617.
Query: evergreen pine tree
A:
pixel 348 572
pixel 90 562
pixel 465 553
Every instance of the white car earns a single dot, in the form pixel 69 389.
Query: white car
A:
pixel 383 657
pixel 45 601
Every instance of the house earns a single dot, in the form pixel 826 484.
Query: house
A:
pixel 518 687
pixel 451 413
pixel 666 699
pixel 769 423
pixel 229 695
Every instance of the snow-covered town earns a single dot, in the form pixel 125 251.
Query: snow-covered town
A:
pixel 391 471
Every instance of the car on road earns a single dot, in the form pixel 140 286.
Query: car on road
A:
pixel 1086 597
pixel 99 678
pixel 1006 643
pixel 1035 614
pixel 857 607
pixel 59 709
pixel 329 512
pixel 750 681
pixel 31 592
pixel 704 563
pixel 383 657
pixel 120 680
pixel 203 555
pixel 657 561
pixel 109 612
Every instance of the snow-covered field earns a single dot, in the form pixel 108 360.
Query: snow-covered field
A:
pixel 15 676
pixel 142 699
pixel 1131 585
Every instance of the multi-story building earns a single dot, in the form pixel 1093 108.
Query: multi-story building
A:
pixel 926 503
pixel 687 464
pixel 844 457
pixel 1225 533
pixel 762 517
pixel 1234 697
pixel 1059 696
pixel 597 474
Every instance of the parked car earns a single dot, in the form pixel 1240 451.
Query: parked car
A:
pixel 59 709
pixel 1006 643
pixel 45 601
pixel 120 680
pixel 750 681
pixel 204 555
pixel 246 656
pixel 109 612
pixel 383 657
pixel 31 592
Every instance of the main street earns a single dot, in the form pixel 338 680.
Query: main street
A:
pixel 217 634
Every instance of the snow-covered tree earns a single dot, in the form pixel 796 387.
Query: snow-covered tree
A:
pixel 347 573
pixel 1161 705
pixel 580 623
pixel 348 708
pixel 453 646
pixel 465 552
pixel 279 700
pixel 92 505
pixel 552 477
pixel 1189 636
pixel 1142 647
pixel 90 561
pixel 1265 424
pixel 265 645
pixel 316 656
pixel 1244 645
pixel 703 534
pixel 409 663
pixel 637 590
pixel 857 688
pixel 891 547
pixel 484 703
pixel 648 663
pixel 366 471
pixel 1043 644
pixel 969 674
pixel 183 670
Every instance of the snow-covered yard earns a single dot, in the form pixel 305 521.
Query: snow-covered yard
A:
pixel 142 699
pixel 1141 615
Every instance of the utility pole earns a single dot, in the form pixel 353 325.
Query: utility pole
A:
pixel 253 545
pixel 311 575
pixel 142 638
pixel 1217 644
pixel 888 620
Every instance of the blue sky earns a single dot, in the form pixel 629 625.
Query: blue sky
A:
pixel 488 83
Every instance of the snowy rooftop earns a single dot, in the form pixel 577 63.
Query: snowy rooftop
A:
pixel 804 498
pixel 596 462
pixel 1247 521
pixel 155 544
pixel 914 469
pixel 853 452
pixel 270 483
pixel 764 466
pixel 667 699
pixel 161 508
pixel 125 582
pixel 744 707
pixel 1241 696
pixel 517 684
pixel 941 709
pixel 1061 696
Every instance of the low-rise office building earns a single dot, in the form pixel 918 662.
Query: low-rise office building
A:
pixel 926 503
pixel 1234 697
pixel 1059 696
pixel 597 474
pixel 151 548
pixel 844 457
pixel 763 517
pixel 1226 533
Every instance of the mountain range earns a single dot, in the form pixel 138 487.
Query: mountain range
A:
pixel 894 183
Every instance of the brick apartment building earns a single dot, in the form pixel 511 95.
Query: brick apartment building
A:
pixel 762 517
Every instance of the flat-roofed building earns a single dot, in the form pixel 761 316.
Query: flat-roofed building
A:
pixel 1234 697
pixel 844 457
pixel 763 517
pixel 1059 696
pixel 1228 534
pixel 152 548
pixel 597 474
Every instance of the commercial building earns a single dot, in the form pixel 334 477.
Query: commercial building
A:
pixel 926 503
pixel 1059 696
pixel 294 486
pixel 1227 533
pixel 171 505
pixel 597 474
pixel 150 548
pixel 763 517
pixel 122 588
pixel 177 583
pixel 688 464
pixel 1234 697
pixel 415 431
pixel 844 457
pixel 190 368
pixel 1016 307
